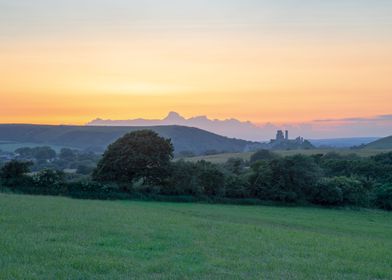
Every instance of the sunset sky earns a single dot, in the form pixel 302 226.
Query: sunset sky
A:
pixel 70 61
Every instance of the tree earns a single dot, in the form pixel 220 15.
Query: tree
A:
pixel 235 165
pixel 14 169
pixel 50 180
pixel 236 186
pixel 137 155
pixel 288 179
pixel 25 152
pixel 13 173
pixel 67 154
pixel 327 192
pixel 210 178
pixel 43 153
pixel 183 179
pixel 384 197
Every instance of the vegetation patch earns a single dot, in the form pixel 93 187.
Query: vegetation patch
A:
pixel 59 238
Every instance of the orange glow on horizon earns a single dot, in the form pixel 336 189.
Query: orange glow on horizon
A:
pixel 72 82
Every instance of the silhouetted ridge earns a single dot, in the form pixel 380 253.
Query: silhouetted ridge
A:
pixel 97 138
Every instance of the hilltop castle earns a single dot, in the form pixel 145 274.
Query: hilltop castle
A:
pixel 282 141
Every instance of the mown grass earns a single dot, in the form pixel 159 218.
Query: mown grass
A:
pixel 60 238
pixel 222 158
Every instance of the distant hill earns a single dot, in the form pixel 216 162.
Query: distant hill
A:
pixel 383 143
pixel 97 138
pixel 343 142
pixel 351 131
pixel 229 127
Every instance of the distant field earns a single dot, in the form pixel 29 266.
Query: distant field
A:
pixel 221 158
pixel 9 146
pixel 60 238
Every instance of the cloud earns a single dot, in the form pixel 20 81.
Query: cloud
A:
pixel 357 119
pixel 380 125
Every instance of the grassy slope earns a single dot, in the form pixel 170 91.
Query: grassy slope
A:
pixel 98 137
pixel 383 143
pixel 221 158
pixel 57 238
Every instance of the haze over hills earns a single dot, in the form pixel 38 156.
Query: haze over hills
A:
pixel 332 132
pixel 97 138
pixel 229 127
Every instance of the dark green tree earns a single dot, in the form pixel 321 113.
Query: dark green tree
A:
pixel 43 153
pixel 137 155
pixel 210 178
pixel 67 154
pixel 183 179
pixel 234 165
pixel 50 181
pixel 14 169
pixel 25 152
pixel 384 197
pixel 13 173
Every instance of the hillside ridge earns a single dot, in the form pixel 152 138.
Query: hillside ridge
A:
pixel 97 138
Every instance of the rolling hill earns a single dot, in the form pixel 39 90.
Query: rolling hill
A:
pixel 383 143
pixel 96 138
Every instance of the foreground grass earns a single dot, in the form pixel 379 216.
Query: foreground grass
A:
pixel 58 238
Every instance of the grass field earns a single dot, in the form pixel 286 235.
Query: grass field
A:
pixel 60 238
pixel 221 158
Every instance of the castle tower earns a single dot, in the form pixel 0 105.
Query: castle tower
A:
pixel 286 135
pixel 279 135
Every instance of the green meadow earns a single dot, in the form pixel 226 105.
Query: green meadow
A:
pixel 222 158
pixel 61 238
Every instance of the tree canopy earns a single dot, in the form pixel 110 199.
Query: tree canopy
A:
pixel 137 155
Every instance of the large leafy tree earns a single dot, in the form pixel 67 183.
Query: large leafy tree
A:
pixel 137 155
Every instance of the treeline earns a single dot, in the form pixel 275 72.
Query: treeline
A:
pixel 140 165
pixel 80 162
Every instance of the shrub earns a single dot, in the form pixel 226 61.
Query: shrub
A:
pixel 327 193
pixel 236 186
pixel 211 179
pixel 353 190
pixel 234 165
pixel 49 181
pixel 14 174
pixel 183 180
pixel 384 197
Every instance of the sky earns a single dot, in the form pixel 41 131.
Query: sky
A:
pixel 281 61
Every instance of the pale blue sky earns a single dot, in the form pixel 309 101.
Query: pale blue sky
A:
pixel 40 17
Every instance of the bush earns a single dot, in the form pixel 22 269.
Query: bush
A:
pixel 49 182
pixel 327 193
pixel 234 165
pixel 288 179
pixel 201 178
pixel 210 178
pixel 236 186
pixel 14 174
pixel 384 197
pixel 353 191
pixel 95 190
pixel 183 180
